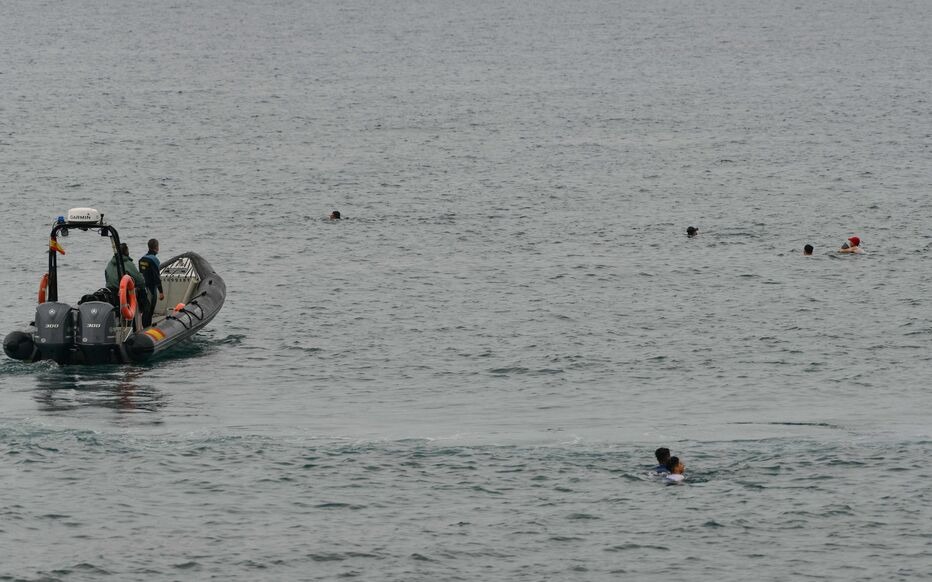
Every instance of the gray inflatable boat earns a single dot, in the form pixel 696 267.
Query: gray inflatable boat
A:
pixel 104 327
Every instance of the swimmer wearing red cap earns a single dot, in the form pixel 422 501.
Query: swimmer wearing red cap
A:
pixel 852 246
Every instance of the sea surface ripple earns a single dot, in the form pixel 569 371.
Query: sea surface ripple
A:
pixel 466 378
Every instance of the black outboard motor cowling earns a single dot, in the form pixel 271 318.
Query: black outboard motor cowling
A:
pixel 97 325
pixel 55 323
pixel 19 345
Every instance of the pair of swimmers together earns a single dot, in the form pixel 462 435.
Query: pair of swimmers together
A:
pixel 852 246
pixel 670 468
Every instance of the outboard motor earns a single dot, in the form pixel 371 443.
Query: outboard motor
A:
pixel 20 346
pixel 55 331
pixel 97 324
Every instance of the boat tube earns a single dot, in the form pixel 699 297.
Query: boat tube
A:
pixel 104 328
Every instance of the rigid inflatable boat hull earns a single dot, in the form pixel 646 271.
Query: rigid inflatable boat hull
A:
pixel 89 333
pixel 206 301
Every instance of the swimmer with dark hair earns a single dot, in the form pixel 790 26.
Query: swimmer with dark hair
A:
pixel 807 250
pixel 335 215
pixel 691 231
pixel 676 469
pixel 663 455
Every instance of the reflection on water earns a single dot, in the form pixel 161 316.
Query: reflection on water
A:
pixel 117 387
pixel 121 387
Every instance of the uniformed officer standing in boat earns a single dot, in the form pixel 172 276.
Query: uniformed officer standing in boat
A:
pixel 149 267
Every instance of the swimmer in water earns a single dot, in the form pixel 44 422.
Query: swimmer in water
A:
pixel 853 246
pixel 663 455
pixel 691 231
pixel 676 469
pixel 807 250
pixel 335 215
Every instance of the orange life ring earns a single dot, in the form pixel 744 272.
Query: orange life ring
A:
pixel 43 287
pixel 127 306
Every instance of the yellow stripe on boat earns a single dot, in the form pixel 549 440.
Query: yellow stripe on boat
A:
pixel 155 334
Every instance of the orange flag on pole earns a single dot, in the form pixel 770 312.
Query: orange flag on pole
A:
pixel 55 246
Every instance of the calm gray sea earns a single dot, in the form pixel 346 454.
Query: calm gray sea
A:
pixel 466 378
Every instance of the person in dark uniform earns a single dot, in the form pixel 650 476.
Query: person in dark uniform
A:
pixel 113 283
pixel 149 266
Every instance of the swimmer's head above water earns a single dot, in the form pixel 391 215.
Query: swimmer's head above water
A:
pixel 853 245
pixel 675 467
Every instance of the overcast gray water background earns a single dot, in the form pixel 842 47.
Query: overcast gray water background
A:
pixel 466 378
